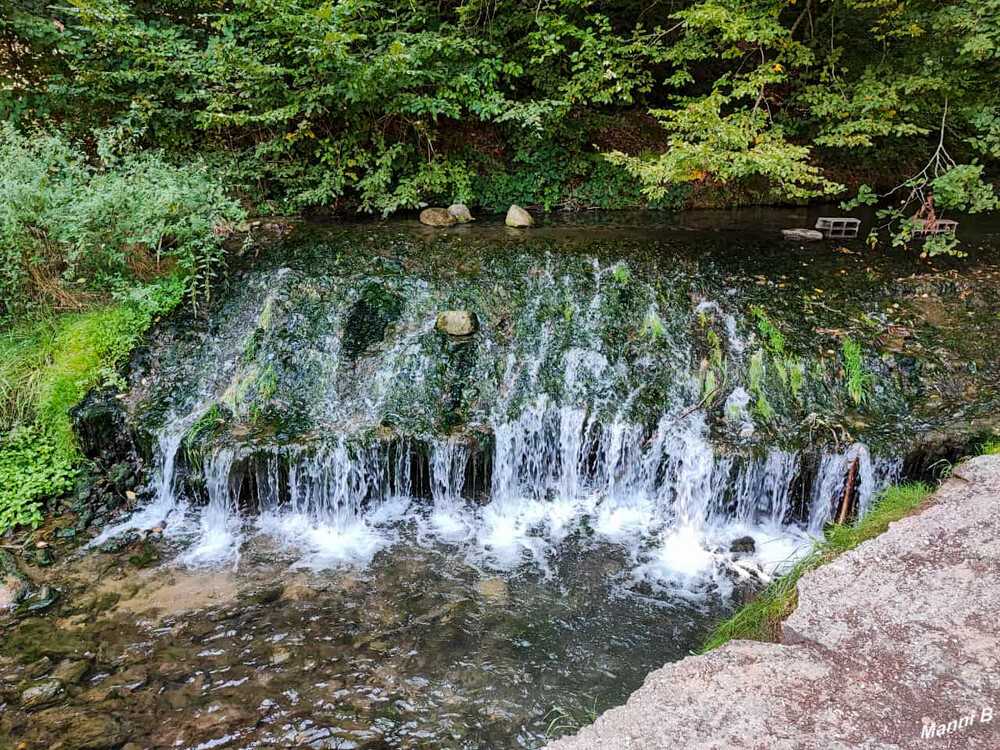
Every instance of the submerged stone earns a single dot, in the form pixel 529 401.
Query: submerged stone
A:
pixel 70 672
pixel 493 590
pixel 457 322
pixel 743 545
pixel 802 235
pixel 438 217
pixel 44 598
pixel 518 217
pixel 14 585
pixel 82 730
pixel 38 668
pixel 41 693
pixel 280 656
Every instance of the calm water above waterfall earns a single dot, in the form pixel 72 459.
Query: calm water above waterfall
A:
pixel 361 528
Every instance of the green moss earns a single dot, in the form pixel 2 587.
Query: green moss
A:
pixel 653 327
pixel 774 341
pixel 760 620
pixel 365 326
pixel 38 637
pixel 796 376
pixel 859 381
pixel 756 375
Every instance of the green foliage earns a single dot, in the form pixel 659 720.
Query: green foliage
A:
pixel 562 720
pixel 709 141
pixel 653 327
pixel 206 426
pixel 788 370
pixel 32 467
pixel 859 381
pixel 774 341
pixel 990 448
pixel 760 620
pixel 47 365
pixel 389 105
pixel 71 226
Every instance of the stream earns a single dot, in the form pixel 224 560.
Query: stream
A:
pixel 360 523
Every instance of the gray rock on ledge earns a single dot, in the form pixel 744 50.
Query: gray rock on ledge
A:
pixel 457 322
pixel 518 217
pixel 437 217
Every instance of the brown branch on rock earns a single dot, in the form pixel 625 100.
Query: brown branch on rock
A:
pixel 847 492
pixel 700 404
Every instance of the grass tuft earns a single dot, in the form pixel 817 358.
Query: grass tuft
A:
pixel 760 619
pixel 990 448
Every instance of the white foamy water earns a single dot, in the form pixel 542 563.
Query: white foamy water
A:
pixel 666 499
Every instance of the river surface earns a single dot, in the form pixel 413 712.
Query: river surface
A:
pixel 355 529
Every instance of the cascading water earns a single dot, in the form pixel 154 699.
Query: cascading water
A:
pixel 327 412
pixel 415 490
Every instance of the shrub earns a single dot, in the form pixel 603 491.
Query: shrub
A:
pixel 47 365
pixel 72 227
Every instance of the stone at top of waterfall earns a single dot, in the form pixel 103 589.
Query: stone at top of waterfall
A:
pixel 518 217
pixel 461 213
pixel 438 217
pixel 802 235
pixel 457 322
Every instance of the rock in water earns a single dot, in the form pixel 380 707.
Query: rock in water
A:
pixel 801 235
pixel 14 585
pixel 494 590
pixel 40 694
pixel 744 544
pixel 461 212
pixel 82 730
pixel 457 322
pixel 437 217
pixel 518 217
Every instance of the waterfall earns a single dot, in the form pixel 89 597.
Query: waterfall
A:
pixel 585 417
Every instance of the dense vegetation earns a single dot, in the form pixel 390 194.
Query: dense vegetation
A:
pixel 92 250
pixel 383 105
pixel 130 128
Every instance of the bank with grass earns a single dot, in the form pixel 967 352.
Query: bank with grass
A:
pixel 92 252
pixel 761 618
